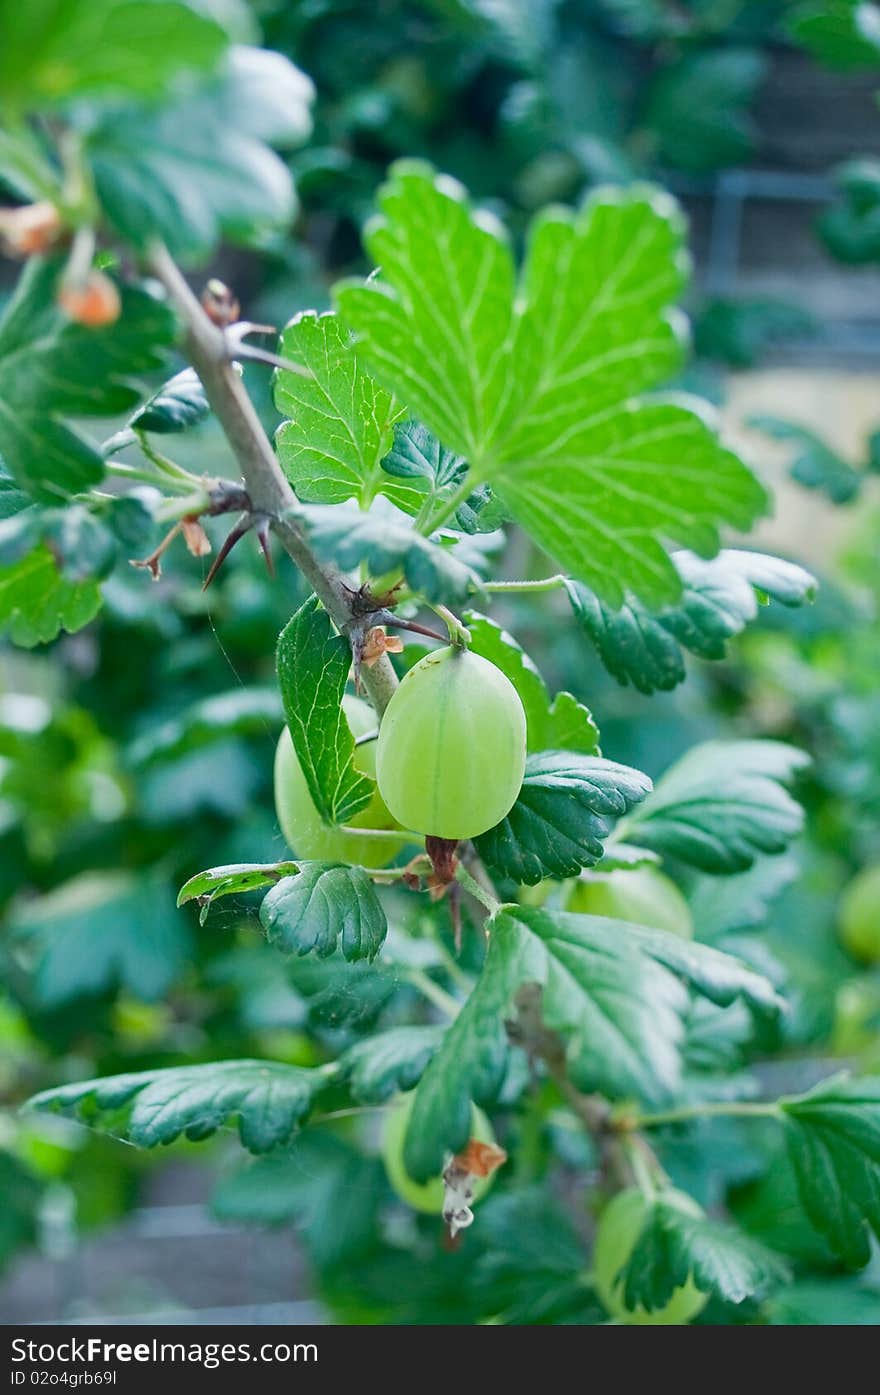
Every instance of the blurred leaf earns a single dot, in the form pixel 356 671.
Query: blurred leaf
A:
pixel 340 422
pixel 814 463
pixel 238 712
pixel 51 52
pixel 540 385
pixel 103 931
pixel 674 1246
pixel 269 1101
pixel 201 167
pixel 833 1136
pixel 313 663
pixel 697 110
pixel 562 724
pixel 728 905
pixel 564 810
pixel 850 227
pixel 51 367
pixel 21 1191
pixel 348 538
pixel 533 1269
pixel 841 1302
pixel 719 598
pixel 843 34
pixel 325 1187
pixel 739 332
pixel 322 906
pixel 722 804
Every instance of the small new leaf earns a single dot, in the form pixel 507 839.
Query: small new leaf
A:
pixel 562 724
pixel 432 471
pixel 348 537
pixel 233 880
pixel 566 807
pixel 313 663
pixel 321 906
pixel 722 805
pixel 719 598
pixel 269 1101
pixel 340 421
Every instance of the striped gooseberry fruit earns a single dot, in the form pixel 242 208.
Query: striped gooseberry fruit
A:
pixel 619 1228
pixel 452 746
pixel 641 895
pixel 306 832
pixel 424 1196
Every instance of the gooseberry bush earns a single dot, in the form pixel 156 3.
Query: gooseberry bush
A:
pixel 569 934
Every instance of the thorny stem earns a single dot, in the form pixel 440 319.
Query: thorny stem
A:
pixel 269 491
pixel 709 1110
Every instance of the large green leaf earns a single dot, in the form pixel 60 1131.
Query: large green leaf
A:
pixel 37 602
pixel 51 368
pixel 563 812
pixel 339 423
pixel 55 50
pixel 674 1246
pixel 562 724
pixel 269 1100
pixel 536 384
pixel 719 598
pixel 313 663
pixel 193 169
pixel 722 805
pixel 614 993
pixel 322 905
pixel 833 1136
